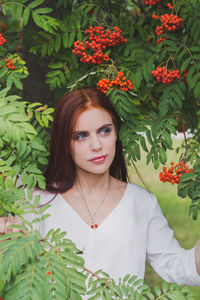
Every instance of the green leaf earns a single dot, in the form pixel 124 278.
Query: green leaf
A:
pixel 35 4
pixel 71 38
pixel 138 78
pixel 3 71
pixel 167 137
pixel 185 64
pixel 187 177
pixel 194 49
pixel 53 73
pixel 197 90
pixel 163 155
pixel 56 65
pixel 143 143
pixel 149 137
pixel 192 81
pixel 65 39
pixel 67 72
pixel 26 15
pixel 179 92
pixel 44 49
pixel 18 83
pixel 171 128
pixel 44 10
pixel 50 46
pixel 4 91
pixel 57 43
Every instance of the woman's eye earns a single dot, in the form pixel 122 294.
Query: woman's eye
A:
pixel 80 136
pixel 105 130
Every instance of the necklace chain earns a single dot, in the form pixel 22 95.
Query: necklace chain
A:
pixel 93 225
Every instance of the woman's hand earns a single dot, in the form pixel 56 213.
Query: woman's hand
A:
pixel 6 221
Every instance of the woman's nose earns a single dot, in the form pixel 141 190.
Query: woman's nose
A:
pixel 95 143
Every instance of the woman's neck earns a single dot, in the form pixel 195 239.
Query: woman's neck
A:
pixel 93 182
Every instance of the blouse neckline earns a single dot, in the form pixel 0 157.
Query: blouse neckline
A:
pixel 107 219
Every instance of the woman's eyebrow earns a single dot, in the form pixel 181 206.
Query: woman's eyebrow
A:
pixel 85 131
pixel 105 125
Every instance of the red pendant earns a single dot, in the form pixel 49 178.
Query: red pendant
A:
pixel 94 226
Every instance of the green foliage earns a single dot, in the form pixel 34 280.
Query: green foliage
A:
pixel 32 266
pixel 22 147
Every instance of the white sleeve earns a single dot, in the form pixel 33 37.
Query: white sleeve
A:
pixel 169 260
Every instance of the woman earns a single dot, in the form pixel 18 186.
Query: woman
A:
pixel 118 225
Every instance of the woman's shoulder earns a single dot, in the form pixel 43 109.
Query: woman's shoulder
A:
pixel 140 196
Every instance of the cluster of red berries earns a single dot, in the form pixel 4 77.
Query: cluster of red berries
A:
pixel 165 76
pixel 2 40
pixel 185 74
pixel 169 6
pixel 171 22
pixel 99 39
pixel 10 64
pixel 159 30
pixel 151 2
pixel 155 17
pixel 120 82
pixel 174 173
pixel 161 40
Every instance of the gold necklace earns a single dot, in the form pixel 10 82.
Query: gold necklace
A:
pixel 93 224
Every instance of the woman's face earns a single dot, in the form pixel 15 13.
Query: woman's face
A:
pixel 93 141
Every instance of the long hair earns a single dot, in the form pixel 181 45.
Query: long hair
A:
pixel 61 173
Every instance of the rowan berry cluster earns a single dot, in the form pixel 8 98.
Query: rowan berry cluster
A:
pixel 169 6
pixel 159 30
pixel 119 82
pixel 2 40
pixel 155 17
pixel 174 173
pixel 151 2
pixel 9 63
pixel 165 76
pixel 99 39
pixel 171 22
pixel 185 74
pixel 161 40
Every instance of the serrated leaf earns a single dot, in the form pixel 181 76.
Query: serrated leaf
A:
pixel 50 46
pixel 163 155
pixel 167 137
pixel 148 134
pixel 143 143
pixel 138 78
pixel 35 4
pixel 57 43
pixel 192 81
pixel 26 15
pixel 71 38
pixel 3 72
pixel 44 10
pixel 197 90
pixel 187 177
pixel 185 64
pixel 65 39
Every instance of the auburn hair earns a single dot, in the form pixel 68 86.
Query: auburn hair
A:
pixel 61 173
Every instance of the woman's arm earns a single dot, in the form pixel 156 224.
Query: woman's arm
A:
pixel 197 257
pixel 169 260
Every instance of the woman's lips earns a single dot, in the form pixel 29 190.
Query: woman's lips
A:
pixel 98 159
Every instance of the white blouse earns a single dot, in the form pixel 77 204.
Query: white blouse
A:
pixel 134 231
